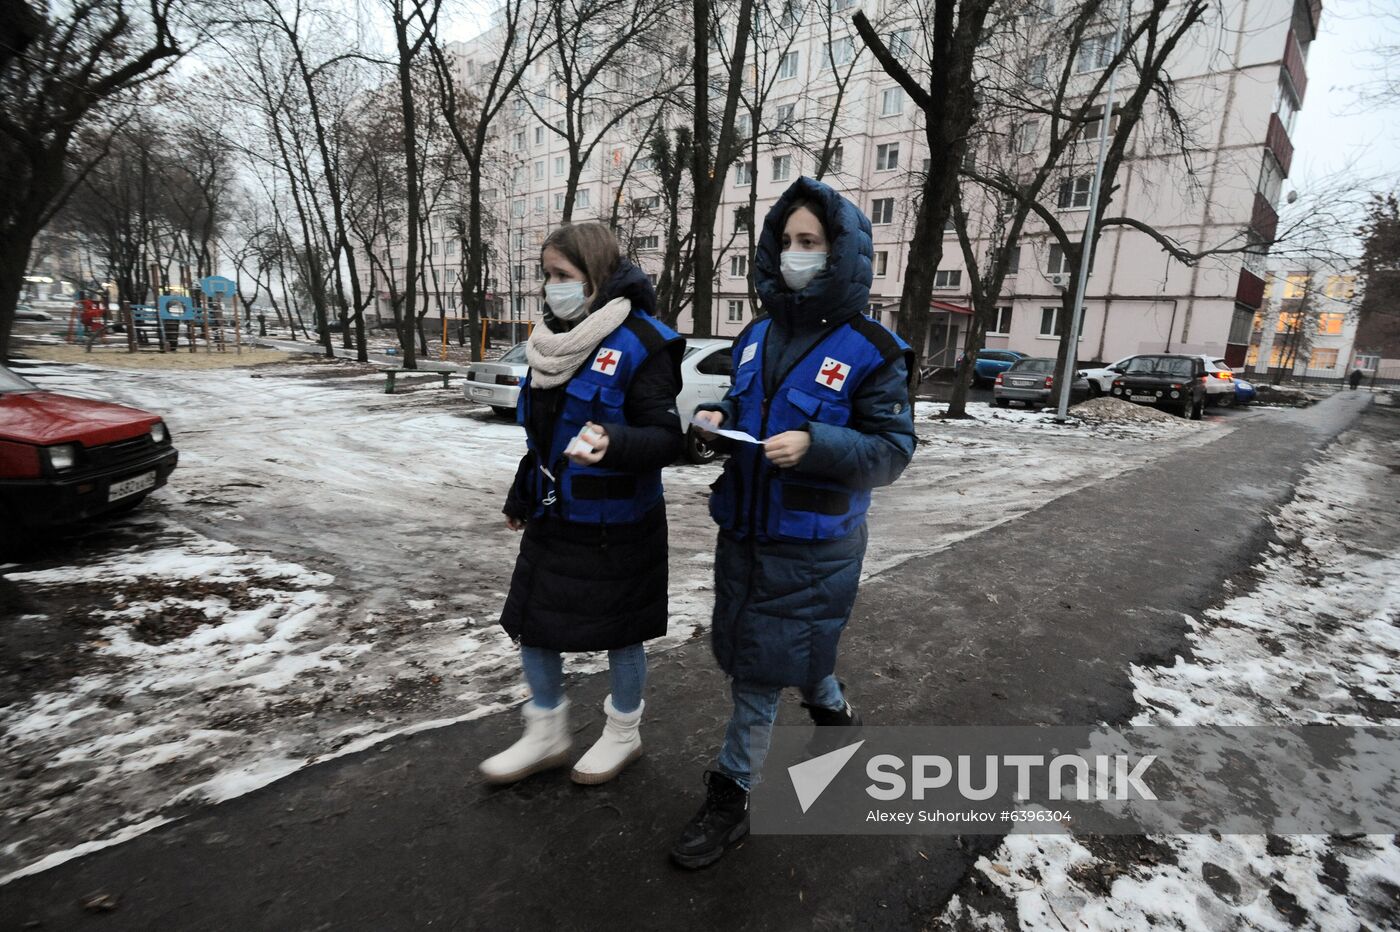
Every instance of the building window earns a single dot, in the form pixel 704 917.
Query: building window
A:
pixel 1093 122
pixel 584 199
pixel 1285 106
pixel 782 167
pixel 518 272
pixel 437 247
pixel 559 201
pixel 539 170
pixel 882 210
pixel 1323 359
pixel 902 44
pixel 892 101
pixel 947 278
pixel 1330 324
pixel 1035 72
pixel 736 311
pixel 741 219
pixel 1013 260
pixel 1074 192
pixel 1095 53
pixel 743 123
pixel 743 174
pixel 1001 324
pixel 1296 285
pixel 738 266
pixel 787 66
pixel 840 52
pixel 838 5
pixel 558 166
pixel 887 156
pixel 1023 136
pixel 451 246
pixel 517 175
pixel 836 154
pixel 648 203
pixel 882 261
pixel 519 140
pixel 1342 287
pixel 649 242
pixel 539 135
pixel 1270 179
pixel 539 204
pixel 1050 322
pixel 1058 263
pixel 517 208
pixel 785 115
pixel 1369 363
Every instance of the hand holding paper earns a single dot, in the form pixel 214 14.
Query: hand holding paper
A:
pixel 710 428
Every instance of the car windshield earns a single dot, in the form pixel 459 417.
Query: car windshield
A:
pixel 1160 365
pixel 515 354
pixel 1033 365
pixel 9 382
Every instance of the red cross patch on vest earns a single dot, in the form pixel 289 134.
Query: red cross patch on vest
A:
pixel 606 361
pixel 833 374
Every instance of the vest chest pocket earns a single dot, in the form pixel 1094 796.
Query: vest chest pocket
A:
pixel 589 401
pixel 821 410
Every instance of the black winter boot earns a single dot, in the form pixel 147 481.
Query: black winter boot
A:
pixel 836 728
pixel 721 821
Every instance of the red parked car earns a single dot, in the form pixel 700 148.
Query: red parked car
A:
pixel 63 459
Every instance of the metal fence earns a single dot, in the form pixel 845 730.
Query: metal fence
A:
pixel 1387 377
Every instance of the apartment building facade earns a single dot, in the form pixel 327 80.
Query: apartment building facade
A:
pixel 1242 76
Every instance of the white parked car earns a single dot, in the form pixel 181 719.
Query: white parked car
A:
pixel 1101 379
pixel 1220 381
pixel 706 372
pixel 497 383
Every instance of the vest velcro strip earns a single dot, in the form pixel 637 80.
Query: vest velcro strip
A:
pixel 809 498
pixel 598 488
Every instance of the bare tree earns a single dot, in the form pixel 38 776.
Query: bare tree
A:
pixel 76 66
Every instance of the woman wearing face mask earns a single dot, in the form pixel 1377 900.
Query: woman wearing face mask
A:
pixel 826 389
pixel 599 411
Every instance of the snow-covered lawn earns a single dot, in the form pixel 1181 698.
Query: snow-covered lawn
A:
pixel 1315 641
pixel 326 569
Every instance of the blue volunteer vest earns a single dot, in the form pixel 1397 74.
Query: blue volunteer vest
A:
pixel 755 498
pixel 591 494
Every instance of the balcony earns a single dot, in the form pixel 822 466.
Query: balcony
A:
pixel 1264 220
pixel 1250 291
pixel 1294 66
pixel 1307 15
pixel 1276 139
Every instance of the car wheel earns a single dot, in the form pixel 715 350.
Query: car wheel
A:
pixel 1225 400
pixel 1094 390
pixel 697 449
pixel 1002 402
pixel 1197 409
pixel 503 413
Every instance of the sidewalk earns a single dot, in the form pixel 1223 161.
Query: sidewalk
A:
pixel 319 349
pixel 405 836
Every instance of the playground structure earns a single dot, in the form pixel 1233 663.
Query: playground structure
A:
pixel 494 328
pixel 202 323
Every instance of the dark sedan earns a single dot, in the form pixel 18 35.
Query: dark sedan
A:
pixel 63 459
pixel 1175 382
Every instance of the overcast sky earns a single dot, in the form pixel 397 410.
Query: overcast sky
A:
pixel 1336 127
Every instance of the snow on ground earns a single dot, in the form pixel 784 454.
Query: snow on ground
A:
pixel 326 568
pixel 1315 640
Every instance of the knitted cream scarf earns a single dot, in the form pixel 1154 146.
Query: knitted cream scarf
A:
pixel 555 357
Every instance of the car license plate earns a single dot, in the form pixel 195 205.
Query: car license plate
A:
pixel 1144 397
pixel 1021 382
pixel 147 480
pixel 481 391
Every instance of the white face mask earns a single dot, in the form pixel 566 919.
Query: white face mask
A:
pixel 566 300
pixel 799 267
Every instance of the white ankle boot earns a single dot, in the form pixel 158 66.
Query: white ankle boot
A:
pixel 544 745
pixel 619 746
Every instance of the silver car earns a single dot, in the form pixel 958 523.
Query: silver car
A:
pixel 497 383
pixel 1031 381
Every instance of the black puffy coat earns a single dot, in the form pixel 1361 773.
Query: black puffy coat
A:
pixel 584 587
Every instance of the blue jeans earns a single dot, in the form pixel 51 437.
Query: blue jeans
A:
pixel 755 709
pixel 544 672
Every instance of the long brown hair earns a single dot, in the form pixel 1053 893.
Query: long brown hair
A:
pixel 591 247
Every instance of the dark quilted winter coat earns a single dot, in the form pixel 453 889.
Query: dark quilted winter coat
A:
pixel 780 607
pixel 580 587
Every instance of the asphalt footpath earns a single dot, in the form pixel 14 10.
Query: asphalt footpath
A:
pixel 1033 621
